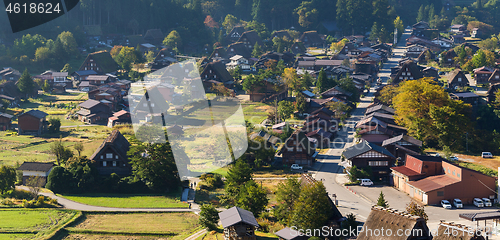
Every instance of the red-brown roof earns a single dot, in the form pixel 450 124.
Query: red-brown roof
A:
pixel 432 183
pixel 405 171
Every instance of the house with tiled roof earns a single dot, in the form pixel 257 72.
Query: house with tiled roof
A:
pixel 36 169
pixel 5 121
pixel 238 224
pixel 111 155
pixel 32 122
pixel 402 145
pixel 367 154
pixel 101 62
pixel 216 71
pixel 120 117
pixel 431 179
pixel 93 111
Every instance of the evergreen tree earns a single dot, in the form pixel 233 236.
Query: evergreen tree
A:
pixel 301 103
pixel 257 51
pixel 381 200
pixel 26 85
pixel 209 216
pixel 237 176
pixel 252 198
pixel 321 83
pixel 421 13
pixel 7 178
pixel 374 32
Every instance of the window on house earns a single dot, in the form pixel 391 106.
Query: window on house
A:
pixel 116 156
pixel 109 155
pixel 152 105
pixel 104 163
pixel 85 68
pixel 209 71
pixel 299 149
pixel 453 173
pixel 114 163
pixel 145 105
pixel 458 174
pixel 497 77
pixel 459 79
pixel 102 157
pixel 215 76
pixel 440 193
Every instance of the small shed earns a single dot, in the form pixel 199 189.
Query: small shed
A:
pixel 238 224
pixel 34 169
pixel 32 122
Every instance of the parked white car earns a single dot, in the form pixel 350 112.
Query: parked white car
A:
pixel 487 202
pixel 454 158
pixel 296 167
pixel 446 204
pixel 366 182
pixel 486 155
pixel 478 202
pixel 458 203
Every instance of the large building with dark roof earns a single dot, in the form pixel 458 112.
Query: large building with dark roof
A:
pixel 101 62
pixel 111 155
pixel 36 169
pixel 366 154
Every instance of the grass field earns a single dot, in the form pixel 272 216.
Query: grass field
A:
pixel 110 237
pixel 168 224
pixel 19 223
pixel 128 201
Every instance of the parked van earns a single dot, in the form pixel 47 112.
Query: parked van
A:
pixel 458 203
pixel 486 155
pixel 478 202
pixel 366 182
pixel 487 202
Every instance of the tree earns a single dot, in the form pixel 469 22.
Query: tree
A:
pixel 252 198
pixel 173 40
pixel 257 51
pixel 237 176
pixel 350 223
pixel 229 22
pixel 414 208
pixel 381 200
pixel 79 148
pixel 150 56
pixel 321 83
pixel 286 195
pixel 312 209
pixel 346 63
pixel 374 32
pixel 54 125
pixel 127 56
pixel 157 167
pixel 26 84
pixel 301 103
pixel 60 151
pixel 67 68
pixel 46 86
pixel 59 180
pixel 398 24
pixel 34 183
pixel 285 109
pixel 336 47
pixel 306 13
pixel 69 43
pixel 209 216
pixel 292 80
pixel 7 178
pixel 42 54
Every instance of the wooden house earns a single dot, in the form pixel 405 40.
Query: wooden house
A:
pixel 10 74
pixel 409 71
pixel 82 75
pixel 5 121
pixel 494 77
pixel 467 97
pixel 311 39
pixel 98 80
pixel 120 117
pixel 402 145
pixel 235 34
pixel 153 102
pixel 33 122
pixel 380 108
pixel 36 169
pixel 111 155
pixel 297 149
pixel 366 154
pixel 250 38
pixel 154 36
pixel 283 34
pixel 9 88
pixel 93 111
pixel 392 220
pixel 218 72
pixel 237 48
pixel 457 79
pixel 101 62
pixel 482 74
pixel 238 224
pixel 449 57
pixel 413 51
pixel 491 92
pixel 298 48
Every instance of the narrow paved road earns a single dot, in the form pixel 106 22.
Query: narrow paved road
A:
pixel 329 163
pixel 66 203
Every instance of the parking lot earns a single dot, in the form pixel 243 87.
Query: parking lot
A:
pixel 398 200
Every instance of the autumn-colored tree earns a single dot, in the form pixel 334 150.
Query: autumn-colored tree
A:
pixel 387 94
pixel 286 195
pixel 337 46
pixel 414 208
pixel 292 80
pixel 209 22
pixel 312 209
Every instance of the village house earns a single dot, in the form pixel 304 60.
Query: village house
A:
pixel 146 47
pixel 93 111
pixel 482 74
pixel 458 28
pixel 448 57
pixel 250 38
pixel 283 34
pixel 36 169
pixel 82 75
pixel 111 155
pixel 5 121
pixel 366 154
pixel 413 51
pixel 494 77
pixel 164 58
pixel 402 145
pixel 457 79
pixel 9 89
pixel 311 39
pixel 235 34
pixel 97 80
pixel 154 36
pixel 120 117
pixel 238 61
pixel 217 71
pixel 297 149
pixel 425 56
pixel 443 42
pixel 238 224
pixel 152 107
pixel 10 74
pixel 298 48
pixel 269 139
pixel 101 62
pixel 394 221
pixel 380 108
pixel 408 71
pixel 467 97
pixel 432 179
pixel 33 122
pixel 491 92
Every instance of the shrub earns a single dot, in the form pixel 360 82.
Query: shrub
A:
pixel 7 201
pixel 28 204
pixel 53 201
pixel 264 225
